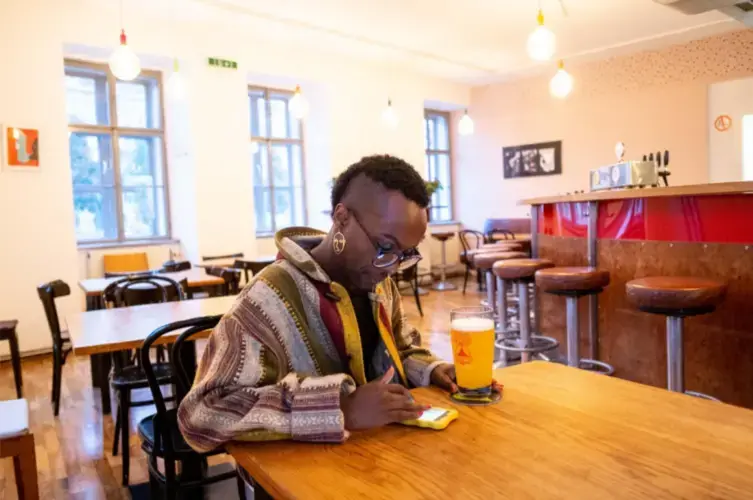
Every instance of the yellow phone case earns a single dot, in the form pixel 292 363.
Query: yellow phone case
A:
pixel 439 424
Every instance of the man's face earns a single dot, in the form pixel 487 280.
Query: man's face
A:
pixel 394 224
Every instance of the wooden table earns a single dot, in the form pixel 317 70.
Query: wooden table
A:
pixel 264 259
pixel 196 278
pixel 558 433
pixel 101 332
pixel 113 330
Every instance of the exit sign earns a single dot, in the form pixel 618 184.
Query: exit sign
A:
pixel 223 63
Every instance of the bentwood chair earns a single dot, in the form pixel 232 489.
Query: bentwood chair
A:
pixel 160 436
pixel 8 332
pixel 128 374
pixel 410 276
pixel 61 344
pixel 499 234
pixel 231 277
pixel 470 240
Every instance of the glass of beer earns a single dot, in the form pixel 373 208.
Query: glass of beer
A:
pixel 472 337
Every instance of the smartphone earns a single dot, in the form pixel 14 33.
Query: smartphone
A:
pixel 434 418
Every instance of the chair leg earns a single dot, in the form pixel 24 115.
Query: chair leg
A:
pixel 465 280
pixel 123 409
pixel 15 358
pixel 171 483
pixel 116 433
pixel 57 372
pixel 25 468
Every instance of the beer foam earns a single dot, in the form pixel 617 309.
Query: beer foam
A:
pixel 472 324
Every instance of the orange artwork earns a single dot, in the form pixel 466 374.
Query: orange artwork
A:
pixel 723 123
pixel 22 147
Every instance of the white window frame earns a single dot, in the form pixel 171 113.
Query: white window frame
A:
pixel 430 114
pixel 268 142
pixel 114 132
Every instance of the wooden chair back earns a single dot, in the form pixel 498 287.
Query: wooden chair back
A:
pixel 48 292
pixel 120 263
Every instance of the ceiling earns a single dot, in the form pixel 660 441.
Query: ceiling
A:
pixel 471 41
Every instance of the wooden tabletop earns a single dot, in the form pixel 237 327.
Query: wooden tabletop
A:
pixel 558 433
pixel 110 330
pixel 263 259
pixel 717 188
pixel 196 278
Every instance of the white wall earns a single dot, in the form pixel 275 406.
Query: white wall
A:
pixel 733 98
pixel 207 135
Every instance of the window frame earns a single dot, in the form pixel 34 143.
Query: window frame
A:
pixel 114 132
pixel 268 143
pixel 428 115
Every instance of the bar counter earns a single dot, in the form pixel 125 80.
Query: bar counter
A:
pixel 702 230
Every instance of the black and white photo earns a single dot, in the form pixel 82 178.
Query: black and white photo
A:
pixel 532 159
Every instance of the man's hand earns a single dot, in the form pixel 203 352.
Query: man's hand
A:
pixel 379 403
pixel 443 376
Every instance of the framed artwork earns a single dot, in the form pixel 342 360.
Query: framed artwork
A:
pixel 529 160
pixel 20 148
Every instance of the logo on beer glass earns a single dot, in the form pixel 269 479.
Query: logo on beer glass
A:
pixel 463 352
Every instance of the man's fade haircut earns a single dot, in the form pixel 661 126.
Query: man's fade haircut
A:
pixel 391 172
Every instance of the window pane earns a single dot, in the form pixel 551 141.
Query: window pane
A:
pixel 300 208
pixel 141 161
pixel 141 215
pixel 258 113
pixel 138 103
pixel 259 156
pixel 431 143
pixel 443 135
pixel 287 165
pixel 95 211
pixel 283 208
pixel 426 133
pixel 87 101
pixel 443 170
pixel 263 210
pixel 91 160
pixel 280 117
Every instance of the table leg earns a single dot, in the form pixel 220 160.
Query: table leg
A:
pixel 100 366
pixel 192 468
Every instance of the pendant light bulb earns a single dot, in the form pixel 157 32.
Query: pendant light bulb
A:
pixel 465 125
pixel 298 104
pixel 389 115
pixel 541 43
pixel 176 84
pixel 562 83
pixel 124 63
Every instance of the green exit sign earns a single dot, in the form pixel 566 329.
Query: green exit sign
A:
pixel 223 63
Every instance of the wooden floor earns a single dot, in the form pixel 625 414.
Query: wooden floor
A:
pixel 74 457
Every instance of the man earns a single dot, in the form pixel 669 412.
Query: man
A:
pixel 317 344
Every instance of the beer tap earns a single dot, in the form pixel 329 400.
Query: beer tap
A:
pixel 664 172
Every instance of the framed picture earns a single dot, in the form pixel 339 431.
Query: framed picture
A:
pixel 530 160
pixel 20 148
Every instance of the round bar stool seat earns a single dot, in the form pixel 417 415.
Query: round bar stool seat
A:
pixel 443 284
pixel 676 297
pixel 573 283
pixel 520 271
pixel 486 260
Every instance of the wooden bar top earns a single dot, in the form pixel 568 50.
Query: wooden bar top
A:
pixel 559 432
pixel 719 188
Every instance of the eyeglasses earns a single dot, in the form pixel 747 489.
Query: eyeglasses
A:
pixel 388 257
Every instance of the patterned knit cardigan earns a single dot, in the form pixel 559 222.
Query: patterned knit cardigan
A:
pixel 277 363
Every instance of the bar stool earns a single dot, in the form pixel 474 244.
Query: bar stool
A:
pixel 443 284
pixel 521 272
pixel 573 283
pixel 676 298
pixel 484 262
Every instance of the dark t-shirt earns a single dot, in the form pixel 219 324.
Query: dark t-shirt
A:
pixel 369 331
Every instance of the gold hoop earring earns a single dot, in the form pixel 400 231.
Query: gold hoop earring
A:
pixel 338 242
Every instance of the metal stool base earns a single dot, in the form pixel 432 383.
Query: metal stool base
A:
pixel 702 396
pixel 595 366
pixel 444 286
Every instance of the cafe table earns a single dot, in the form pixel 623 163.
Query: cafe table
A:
pixel 558 432
pixel 105 331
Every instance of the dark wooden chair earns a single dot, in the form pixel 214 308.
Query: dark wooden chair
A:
pixel 499 234
pixel 61 344
pixel 470 240
pixel 172 266
pixel 410 276
pixel 128 373
pixel 160 436
pixel 231 277
pixel 8 332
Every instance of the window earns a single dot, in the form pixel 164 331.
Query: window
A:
pixel 117 152
pixel 438 164
pixel 277 159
